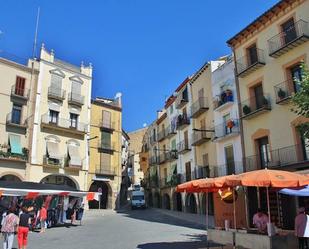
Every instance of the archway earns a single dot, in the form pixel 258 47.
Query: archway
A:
pixel 11 178
pixel 105 198
pixel 177 201
pixel 60 180
pixel 210 204
pixel 150 200
pixel 166 202
pixel 191 204
pixel 156 202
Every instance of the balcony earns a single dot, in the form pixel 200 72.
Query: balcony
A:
pixel 198 107
pixel 76 99
pixel 183 147
pixel 56 93
pixel 106 147
pixel 68 164
pixel 171 155
pixel 284 91
pixel 283 42
pixel 182 122
pixel 105 170
pixel 15 121
pixel 19 95
pixel 225 100
pixel 51 162
pixel 201 172
pixel 161 135
pixel 154 160
pixel 246 64
pixel 227 130
pixel 287 157
pixel 170 131
pixel 162 158
pixel 8 156
pixel 229 168
pixel 172 182
pixel 200 136
pixel 63 125
pixel 107 126
pixel 255 106
pixel 182 99
pixel 153 139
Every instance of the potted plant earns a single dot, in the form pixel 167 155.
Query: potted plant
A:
pixel 246 109
pixel 281 94
pixel 265 101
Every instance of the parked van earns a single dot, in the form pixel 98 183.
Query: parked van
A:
pixel 138 199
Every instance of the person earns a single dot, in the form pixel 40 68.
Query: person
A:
pixel 9 228
pixel 23 229
pixel 260 221
pixel 43 217
pixel 300 227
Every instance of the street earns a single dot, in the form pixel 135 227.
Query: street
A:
pixel 143 229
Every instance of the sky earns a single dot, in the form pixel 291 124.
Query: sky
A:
pixel 141 48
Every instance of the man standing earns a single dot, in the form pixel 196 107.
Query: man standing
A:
pixel 300 226
pixel 260 221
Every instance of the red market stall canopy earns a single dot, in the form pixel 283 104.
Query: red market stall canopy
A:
pixel 32 189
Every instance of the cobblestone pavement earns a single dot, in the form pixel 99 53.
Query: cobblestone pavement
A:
pixel 106 229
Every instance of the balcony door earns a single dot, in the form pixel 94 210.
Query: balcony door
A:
pixel 188 171
pixel 252 55
pixel 106 140
pixel 296 75
pixel 226 119
pixel 264 151
pixel 73 120
pixel 289 31
pixel 53 116
pixel 16 114
pixel 20 86
pixel 56 85
pixel 259 97
pixel 305 147
pixel 201 97
pixel 186 140
pixel 107 117
pixel 229 159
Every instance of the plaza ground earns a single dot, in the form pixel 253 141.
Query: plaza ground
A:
pixel 140 229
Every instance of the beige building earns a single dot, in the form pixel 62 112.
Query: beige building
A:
pixel 17 87
pixel 105 142
pixel 59 150
pixel 268 53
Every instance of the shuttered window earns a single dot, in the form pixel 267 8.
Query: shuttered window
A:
pixel 76 88
pixel 56 84
pixel 106 118
pixel 20 86
pixel 105 161
pixel 106 139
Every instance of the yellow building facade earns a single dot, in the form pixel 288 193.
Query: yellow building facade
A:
pixel 268 54
pixel 105 146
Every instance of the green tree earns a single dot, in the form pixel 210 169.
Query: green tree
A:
pixel 301 100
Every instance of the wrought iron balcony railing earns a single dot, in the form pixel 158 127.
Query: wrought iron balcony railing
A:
pixel 284 91
pixel 102 169
pixel 61 123
pixel 224 98
pixel 22 93
pixel 231 127
pixel 254 106
pixel 199 107
pixel 56 93
pixel 247 64
pixel 16 120
pixel 183 147
pixel 76 99
pixel 182 121
pixel 201 136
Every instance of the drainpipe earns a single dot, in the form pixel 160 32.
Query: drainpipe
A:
pixel 241 135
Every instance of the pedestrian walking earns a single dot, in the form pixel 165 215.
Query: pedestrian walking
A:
pixel 301 221
pixel 23 229
pixel 43 217
pixel 9 229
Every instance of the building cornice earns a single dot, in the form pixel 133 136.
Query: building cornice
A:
pixel 160 120
pixel 100 103
pixel 19 66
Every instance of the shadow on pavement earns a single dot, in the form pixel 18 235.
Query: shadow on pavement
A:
pixel 194 242
pixel 152 215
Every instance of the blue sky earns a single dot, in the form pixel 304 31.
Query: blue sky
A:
pixel 142 48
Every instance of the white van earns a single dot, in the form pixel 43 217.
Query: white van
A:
pixel 138 199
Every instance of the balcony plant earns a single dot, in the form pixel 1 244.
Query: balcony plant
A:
pixel 265 101
pixel 281 93
pixel 246 109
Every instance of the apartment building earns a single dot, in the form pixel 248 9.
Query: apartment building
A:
pixel 59 151
pixel 17 87
pixel 105 142
pixel 268 53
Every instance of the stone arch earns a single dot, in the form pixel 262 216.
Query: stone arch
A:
pixel 191 205
pixel 60 179
pixel 166 202
pixel 105 200
pixel 11 176
pixel 156 200
pixel 177 201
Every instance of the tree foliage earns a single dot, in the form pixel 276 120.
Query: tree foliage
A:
pixel 301 100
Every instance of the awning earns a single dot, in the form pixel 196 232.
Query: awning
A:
pixel 171 172
pixel 15 144
pixel 295 192
pixel 53 150
pixel 74 156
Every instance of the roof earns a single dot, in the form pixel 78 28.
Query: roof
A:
pixel 169 101
pixel 125 134
pixel 262 20
pixel 107 105
pixel 163 116
pixel 182 84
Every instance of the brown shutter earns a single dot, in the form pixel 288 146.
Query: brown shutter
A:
pixel 20 86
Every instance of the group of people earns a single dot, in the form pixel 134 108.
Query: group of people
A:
pixel 19 216
pixel 260 221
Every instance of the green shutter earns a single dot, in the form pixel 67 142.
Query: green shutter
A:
pixel 173 144
pixel 15 144
pixel 106 139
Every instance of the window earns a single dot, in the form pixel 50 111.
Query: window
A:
pixel 106 116
pixel 289 31
pixel 226 119
pixel 259 96
pixel 106 140
pixel 73 120
pixel 186 139
pixel 173 144
pixel 185 94
pixel 229 160
pixel 16 114
pixel 188 171
pixel 296 75
pixel 304 145
pixel 105 161
pixel 56 84
pixel 20 86
pixel 76 88
pixel 264 151
pixel 252 55
pixel 171 109
pixel 53 116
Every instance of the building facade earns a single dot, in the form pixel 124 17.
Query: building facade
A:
pixel 105 142
pixel 59 150
pixel 268 53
